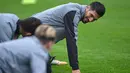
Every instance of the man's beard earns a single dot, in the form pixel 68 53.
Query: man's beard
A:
pixel 85 20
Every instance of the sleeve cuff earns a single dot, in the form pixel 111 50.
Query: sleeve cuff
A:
pixel 75 67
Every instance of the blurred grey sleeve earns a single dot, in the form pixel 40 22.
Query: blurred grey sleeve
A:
pixel 38 64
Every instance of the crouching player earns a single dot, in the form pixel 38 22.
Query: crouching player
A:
pixel 11 26
pixel 27 55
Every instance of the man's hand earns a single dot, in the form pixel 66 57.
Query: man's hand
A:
pixel 76 71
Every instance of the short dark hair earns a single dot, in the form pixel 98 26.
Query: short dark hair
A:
pixel 98 7
pixel 29 24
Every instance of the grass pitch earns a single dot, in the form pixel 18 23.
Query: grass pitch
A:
pixel 104 46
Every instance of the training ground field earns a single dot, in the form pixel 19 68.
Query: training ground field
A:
pixel 104 46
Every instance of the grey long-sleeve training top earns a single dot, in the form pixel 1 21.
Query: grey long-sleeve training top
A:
pixel 25 55
pixel 8 26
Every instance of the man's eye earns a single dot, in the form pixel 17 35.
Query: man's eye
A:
pixel 91 15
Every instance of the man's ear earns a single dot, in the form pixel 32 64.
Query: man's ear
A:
pixel 88 7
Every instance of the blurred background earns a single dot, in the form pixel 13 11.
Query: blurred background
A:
pixel 104 46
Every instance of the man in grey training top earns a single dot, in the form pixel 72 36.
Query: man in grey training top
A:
pixel 11 27
pixel 65 18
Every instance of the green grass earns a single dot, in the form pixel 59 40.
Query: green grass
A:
pixel 104 46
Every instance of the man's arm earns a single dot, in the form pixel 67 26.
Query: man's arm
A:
pixel 71 39
pixel 38 64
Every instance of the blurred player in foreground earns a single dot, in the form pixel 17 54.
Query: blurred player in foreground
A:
pixel 28 55
pixel 65 18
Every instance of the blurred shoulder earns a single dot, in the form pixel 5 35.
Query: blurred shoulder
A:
pixel 9 15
